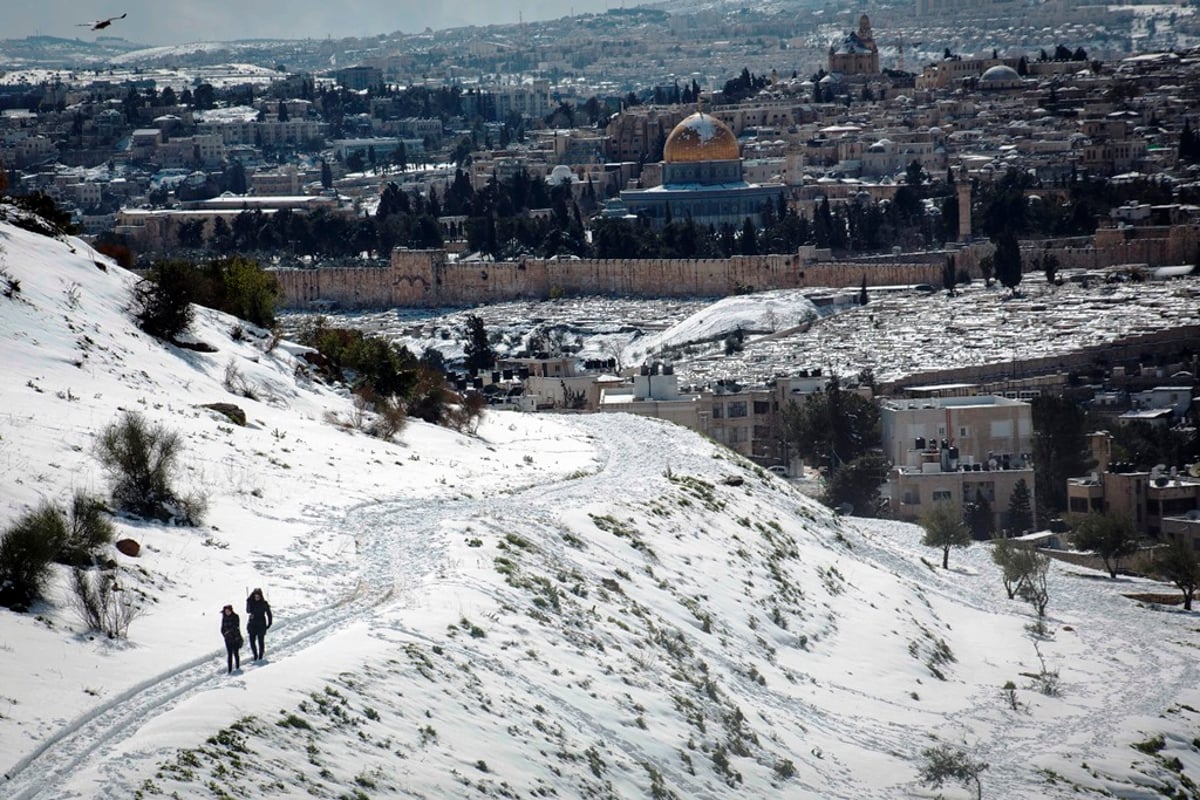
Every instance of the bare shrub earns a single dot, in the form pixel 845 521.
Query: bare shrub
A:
pixel 390 418
pixel 467 414
pixel 101 602
pixel 235 382
pixel 274 339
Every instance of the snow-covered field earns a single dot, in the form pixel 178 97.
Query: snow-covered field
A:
pixel 569 606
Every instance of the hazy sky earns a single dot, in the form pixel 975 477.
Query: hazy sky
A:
pixel 177 21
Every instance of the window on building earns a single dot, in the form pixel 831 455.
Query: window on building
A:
pixel 737 408
pixel 963 431
pixel 762 407
pixel 912 498
pixel 941 496
pixel 718 411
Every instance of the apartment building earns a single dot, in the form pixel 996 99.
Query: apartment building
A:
pixel 1150 499
pixel 956 450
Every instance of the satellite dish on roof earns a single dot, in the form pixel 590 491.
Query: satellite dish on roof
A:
pixel 1157 470
pixel 1194 469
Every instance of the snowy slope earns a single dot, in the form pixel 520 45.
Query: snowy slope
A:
pixel 599 606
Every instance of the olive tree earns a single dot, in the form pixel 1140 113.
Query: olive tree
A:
pixel 944 528
pixel 1178 564
pixel 1109 536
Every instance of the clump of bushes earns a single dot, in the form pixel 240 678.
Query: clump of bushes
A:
pixel 390 381
pixel 45 535
pixel 162 302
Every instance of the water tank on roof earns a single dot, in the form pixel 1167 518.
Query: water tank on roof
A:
pixel 920 444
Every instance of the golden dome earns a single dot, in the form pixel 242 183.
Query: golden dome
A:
pixel 700 137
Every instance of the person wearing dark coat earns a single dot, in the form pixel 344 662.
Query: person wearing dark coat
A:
pixel 231 630
pixel 258 619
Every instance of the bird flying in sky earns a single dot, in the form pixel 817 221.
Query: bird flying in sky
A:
pixel 101 24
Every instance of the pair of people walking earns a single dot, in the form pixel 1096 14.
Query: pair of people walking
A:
pixel 258 620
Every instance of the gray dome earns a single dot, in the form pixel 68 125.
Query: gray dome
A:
pixel 1000 74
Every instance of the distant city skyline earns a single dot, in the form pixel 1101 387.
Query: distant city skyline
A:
pixel 157 23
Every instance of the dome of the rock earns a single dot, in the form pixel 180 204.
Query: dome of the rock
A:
pixel 700 137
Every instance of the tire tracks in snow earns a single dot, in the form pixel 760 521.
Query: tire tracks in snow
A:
pixel 398 544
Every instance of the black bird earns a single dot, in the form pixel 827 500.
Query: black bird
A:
pixel 101 24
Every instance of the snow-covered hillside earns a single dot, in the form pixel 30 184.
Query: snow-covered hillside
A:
pixel 556 606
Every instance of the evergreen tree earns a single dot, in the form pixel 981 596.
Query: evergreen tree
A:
pixel 949 276
pixel 862 292
pixel 1060 449
pixel 748 241
pixel 831 427
pixel 856 484
pixel 1020 511
pixel 979 517
pixel 1189 144
pixel 326 175
pixel 1008 261
pixel 478 351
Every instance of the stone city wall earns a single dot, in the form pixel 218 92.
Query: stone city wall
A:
pixel 425 278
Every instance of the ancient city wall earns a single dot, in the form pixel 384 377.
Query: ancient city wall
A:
pixel 424 278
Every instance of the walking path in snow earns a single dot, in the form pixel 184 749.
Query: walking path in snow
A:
pixel 400 544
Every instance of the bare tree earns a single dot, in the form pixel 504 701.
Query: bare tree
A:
pixel 1035 586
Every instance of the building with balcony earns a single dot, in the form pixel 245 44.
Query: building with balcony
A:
pixel 958 450
pixel 1147 498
